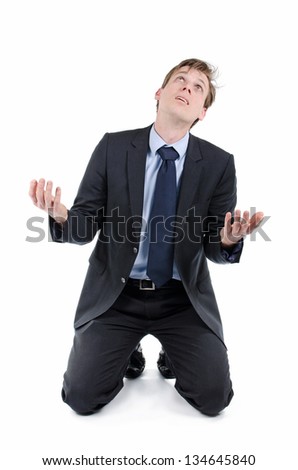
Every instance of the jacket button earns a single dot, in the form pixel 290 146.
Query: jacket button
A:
pixel 123 280
pixel 135 250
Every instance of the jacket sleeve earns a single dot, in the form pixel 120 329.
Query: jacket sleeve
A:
pixel 86 215
pixel 222 201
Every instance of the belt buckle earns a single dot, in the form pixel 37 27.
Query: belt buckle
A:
pixel 141 287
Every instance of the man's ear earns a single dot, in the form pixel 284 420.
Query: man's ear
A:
pixel 157 94
pixel 202 114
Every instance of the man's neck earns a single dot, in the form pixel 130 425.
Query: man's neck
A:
pixel 172 133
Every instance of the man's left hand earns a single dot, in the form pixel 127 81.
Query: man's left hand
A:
pixel 237 227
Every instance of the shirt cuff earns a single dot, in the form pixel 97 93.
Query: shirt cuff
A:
pixel 232 254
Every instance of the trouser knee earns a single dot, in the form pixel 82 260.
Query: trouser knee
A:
pixel 215 401
pixel 211 401
pixel 88 398
pixel 81 401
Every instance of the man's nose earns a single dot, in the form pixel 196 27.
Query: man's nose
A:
pixel 187 89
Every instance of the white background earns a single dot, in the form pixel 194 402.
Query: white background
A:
pixel 73 70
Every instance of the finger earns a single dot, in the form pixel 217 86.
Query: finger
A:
pixel 257 217
pixel 245 217
pixel 40 193
pixel 227 225
pixel 32 191
pixel 228 220
pixel 237 215
pixel 60 211
pixel 244 221
pixel 236 225
pixel 255 220
pixel 48 195
pixel 57 198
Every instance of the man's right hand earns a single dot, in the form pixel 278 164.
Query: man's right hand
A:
pixel 41 194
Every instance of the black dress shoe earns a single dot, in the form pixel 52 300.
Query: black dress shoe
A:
pixel 163 365
pixel 136 363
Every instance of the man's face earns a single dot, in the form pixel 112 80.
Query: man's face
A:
pixel 184 96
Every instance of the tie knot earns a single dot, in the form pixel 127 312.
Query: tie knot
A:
pixel 168 153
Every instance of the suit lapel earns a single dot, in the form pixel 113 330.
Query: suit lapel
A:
pixel 191 176
pixel 137 154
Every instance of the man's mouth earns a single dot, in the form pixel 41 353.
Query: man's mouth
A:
pixel 181 98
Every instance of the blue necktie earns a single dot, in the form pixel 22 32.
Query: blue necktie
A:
pixel 161 248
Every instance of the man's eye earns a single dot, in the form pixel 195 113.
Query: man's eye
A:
pixel 181 79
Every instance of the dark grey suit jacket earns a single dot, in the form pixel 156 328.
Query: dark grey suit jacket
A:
pixel 110 202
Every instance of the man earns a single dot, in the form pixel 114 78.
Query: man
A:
pixel 162 201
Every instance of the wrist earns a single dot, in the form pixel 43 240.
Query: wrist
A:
pixel 60 219
pixel 228 243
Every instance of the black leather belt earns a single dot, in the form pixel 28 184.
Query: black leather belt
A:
pixel 147 284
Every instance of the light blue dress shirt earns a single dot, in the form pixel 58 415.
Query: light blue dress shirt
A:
pixel 153 163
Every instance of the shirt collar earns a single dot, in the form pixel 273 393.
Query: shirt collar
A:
pixel 155 142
